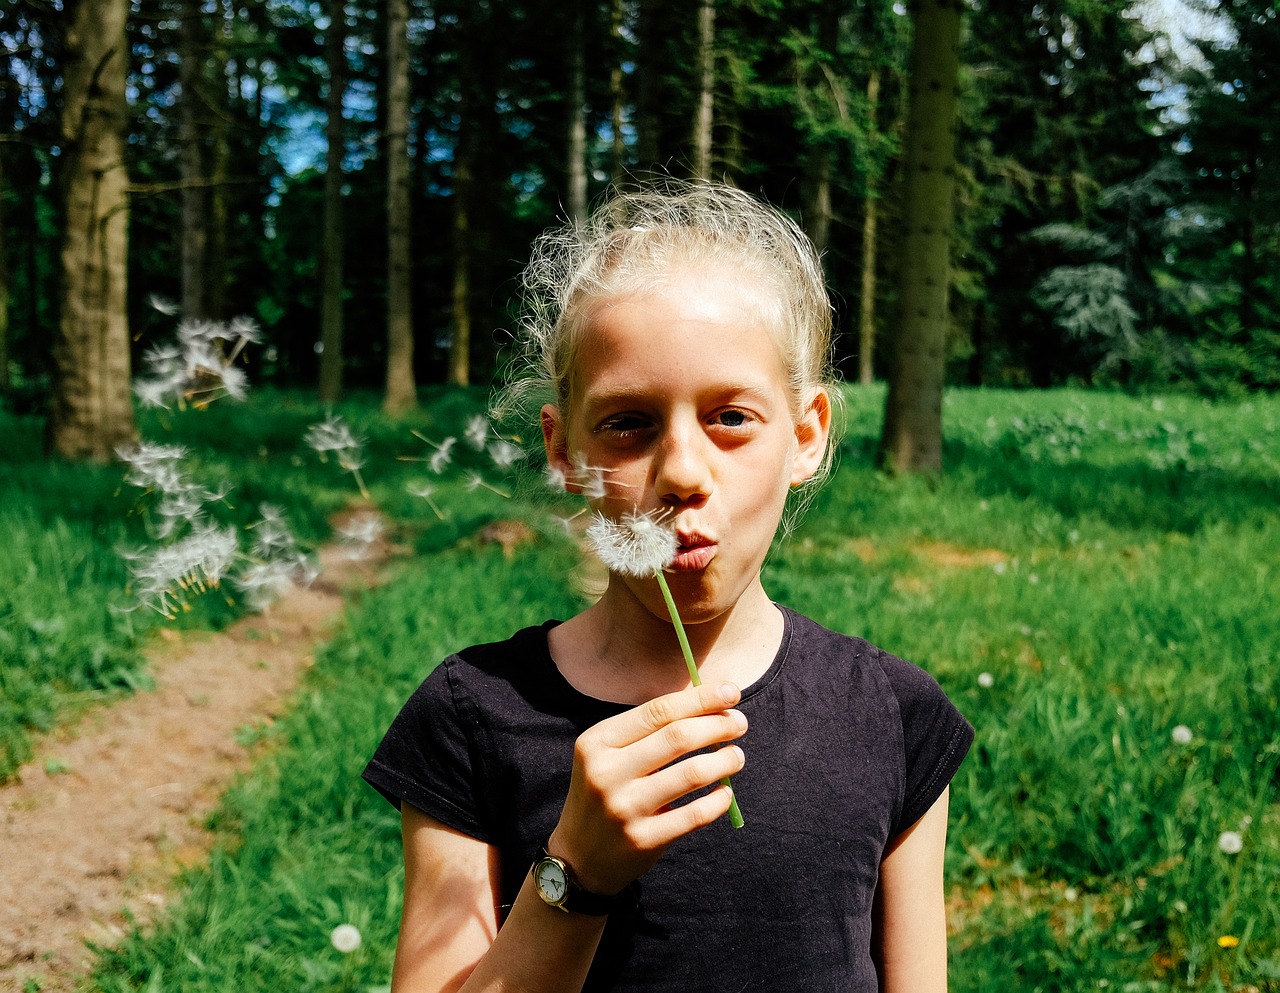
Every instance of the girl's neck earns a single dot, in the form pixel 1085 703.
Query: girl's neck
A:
pixel 618 650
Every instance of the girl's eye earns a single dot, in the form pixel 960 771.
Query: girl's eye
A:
pixel 731 418
pixel 623 424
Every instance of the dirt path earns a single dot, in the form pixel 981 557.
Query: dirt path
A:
pixel 108 811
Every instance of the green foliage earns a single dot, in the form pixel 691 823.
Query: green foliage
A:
pixel 1106 562
pixel 70 631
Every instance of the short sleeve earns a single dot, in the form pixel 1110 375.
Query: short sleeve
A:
pixel 427 758
pixel 935 737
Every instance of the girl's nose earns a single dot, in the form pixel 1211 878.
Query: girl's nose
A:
pixel 682 474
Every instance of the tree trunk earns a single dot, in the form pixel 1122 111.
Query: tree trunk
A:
pixel 459 371
pixel 215 282
pixel 706 90
pixel 867 301
pixel 576 146
pixel 191 164
pixel 648 145
pixel 332 248
pixel 819 213
pixel 912 436
pixel 4 292
pixel 617 94
pixel 91 411
pixel 401 392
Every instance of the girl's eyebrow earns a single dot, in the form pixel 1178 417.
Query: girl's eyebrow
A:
pixel 622 395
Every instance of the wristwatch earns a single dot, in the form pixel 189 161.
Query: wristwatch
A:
pixel 554 881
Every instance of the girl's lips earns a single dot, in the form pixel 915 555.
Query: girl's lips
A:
pixel 695 552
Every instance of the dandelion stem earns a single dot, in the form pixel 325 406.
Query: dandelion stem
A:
pixel 735 815
pixel 360 483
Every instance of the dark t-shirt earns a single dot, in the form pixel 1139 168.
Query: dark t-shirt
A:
pixel 848 746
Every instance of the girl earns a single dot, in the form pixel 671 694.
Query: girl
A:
pixel 563 824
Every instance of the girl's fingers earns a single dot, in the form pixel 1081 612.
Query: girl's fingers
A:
pixel 692 734
pixel 663 828
pixel 644 720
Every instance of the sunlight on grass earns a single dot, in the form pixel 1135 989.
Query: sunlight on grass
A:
pixel 1092 583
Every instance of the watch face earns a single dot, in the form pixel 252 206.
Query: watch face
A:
pixel 553 885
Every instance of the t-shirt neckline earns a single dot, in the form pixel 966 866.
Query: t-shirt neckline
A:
pixel 580 703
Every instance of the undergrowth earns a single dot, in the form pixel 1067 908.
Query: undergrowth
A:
pixel 1091 582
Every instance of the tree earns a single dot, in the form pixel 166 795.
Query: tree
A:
pixel 92 411
pixel 401 394
pixel 912 436
pixel 704 113
pixel 194 119
pixel 332 245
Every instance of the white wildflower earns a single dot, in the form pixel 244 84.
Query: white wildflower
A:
pixel 1181 735
pixel 986 680
pixel 637 545
pixel 1231 842
pixel 345 938
pixel 477 432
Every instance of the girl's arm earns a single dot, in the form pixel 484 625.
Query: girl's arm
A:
pixel 910 940
pixel 449 927
pixel 616 823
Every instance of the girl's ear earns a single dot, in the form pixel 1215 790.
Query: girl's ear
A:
pixel 554 440
pixel 812 430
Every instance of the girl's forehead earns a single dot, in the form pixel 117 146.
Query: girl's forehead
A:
pixel 687 335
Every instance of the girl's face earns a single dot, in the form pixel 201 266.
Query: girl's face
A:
pixel 681 397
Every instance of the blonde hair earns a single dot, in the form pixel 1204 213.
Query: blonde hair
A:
pixel 632 243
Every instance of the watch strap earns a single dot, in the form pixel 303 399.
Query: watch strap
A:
pixel 582 901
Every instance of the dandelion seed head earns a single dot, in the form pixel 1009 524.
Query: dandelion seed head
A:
pixel 986 680
pixel 1181 735
pixel 345 938
pixel 1231 842
pixel 638 545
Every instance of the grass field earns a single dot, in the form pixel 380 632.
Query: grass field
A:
pixel 1092 583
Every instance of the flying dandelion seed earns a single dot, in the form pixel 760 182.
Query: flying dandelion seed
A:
pixel 1181 735
pixel 986 680
pixel 504 454
pixel 426 491
pixel 345 938
pixel 1231 842
pixel 442 456
pixel 555 478
pixel 162 305
pixel 477 432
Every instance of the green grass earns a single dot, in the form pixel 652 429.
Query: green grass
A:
pixel 70 633
pixel 1108 561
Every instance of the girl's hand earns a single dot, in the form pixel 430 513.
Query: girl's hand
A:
pixel 628 770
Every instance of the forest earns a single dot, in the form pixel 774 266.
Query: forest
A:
pixel 361 180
